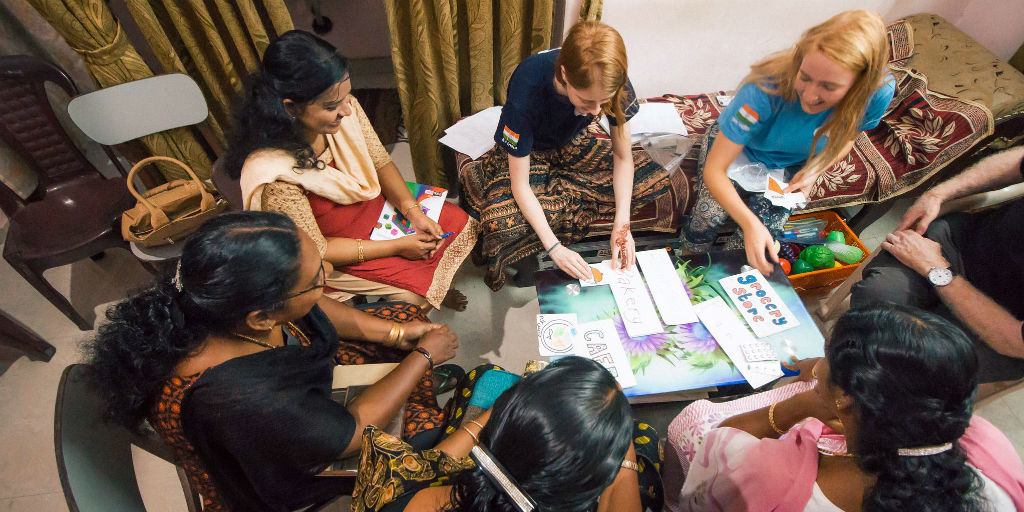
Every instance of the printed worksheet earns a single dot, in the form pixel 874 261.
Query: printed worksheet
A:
pixel 666 287
pixel 556 334
pixel 634 303
pixel 732 335
pixel 759 303
pixel 600 341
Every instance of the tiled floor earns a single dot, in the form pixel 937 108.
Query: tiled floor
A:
pixel 497 328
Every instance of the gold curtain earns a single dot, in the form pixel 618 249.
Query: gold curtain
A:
pixel 216 42
pixel 590 10
pixel 89 28
pixel 1017 60
pixel 453 58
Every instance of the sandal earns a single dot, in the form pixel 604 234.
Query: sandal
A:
pixel 446 377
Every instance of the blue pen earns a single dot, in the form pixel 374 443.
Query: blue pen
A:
pixel 446 235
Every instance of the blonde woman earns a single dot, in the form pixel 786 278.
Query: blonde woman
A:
pixel 542 187
pixel 798 110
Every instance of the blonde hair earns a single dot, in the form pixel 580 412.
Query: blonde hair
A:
pixel 857 41
pixel 595 51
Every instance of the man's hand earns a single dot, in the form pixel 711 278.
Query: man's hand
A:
pixel 915 251
pixel 921 213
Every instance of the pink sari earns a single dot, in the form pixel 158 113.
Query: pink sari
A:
pixel 730 470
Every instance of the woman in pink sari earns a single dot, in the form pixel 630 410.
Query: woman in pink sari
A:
pixel 882 422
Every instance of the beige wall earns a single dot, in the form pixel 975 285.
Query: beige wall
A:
pixel 690 46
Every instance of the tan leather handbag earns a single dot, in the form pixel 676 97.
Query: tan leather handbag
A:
pixel 170 212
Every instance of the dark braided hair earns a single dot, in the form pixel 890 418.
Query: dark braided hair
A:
pixel 232 265
pixel 561 433
pixel 297 66
pixel 912 376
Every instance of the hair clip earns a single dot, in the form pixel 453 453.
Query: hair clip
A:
pixel 176 280
pixel 922 451
pixel 497 475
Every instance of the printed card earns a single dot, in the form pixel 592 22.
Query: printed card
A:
pixel 731 335
pixel 758 303
pixel 634 303
pixel 666 287
pixel 601 271
pixel 600 341
pixel 556 334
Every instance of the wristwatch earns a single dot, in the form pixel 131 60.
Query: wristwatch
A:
pixel 940 276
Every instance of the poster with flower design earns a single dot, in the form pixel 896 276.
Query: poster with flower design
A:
pixel 685 357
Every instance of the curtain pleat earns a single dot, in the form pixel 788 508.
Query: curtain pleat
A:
pixel 453 58
pixel 590 10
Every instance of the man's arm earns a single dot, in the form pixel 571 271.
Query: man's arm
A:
pixel 991 173
pixel 982 315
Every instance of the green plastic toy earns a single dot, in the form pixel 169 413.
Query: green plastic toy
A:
pixel 845 253
pixel 819 256
pixel 837 236
pixel 801 267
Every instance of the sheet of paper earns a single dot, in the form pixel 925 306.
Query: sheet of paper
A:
pixel 731 334
pixel 473 135
pixel 600 341
pixel 758 302
pixel 666 287
pixel 556 334
pixel 634 303
pixel 652 118
pixel 791 200
pixel 602 273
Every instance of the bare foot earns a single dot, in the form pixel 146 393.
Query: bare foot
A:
pixel 455 300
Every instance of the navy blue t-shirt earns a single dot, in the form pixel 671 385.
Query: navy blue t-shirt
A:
pixel 536 117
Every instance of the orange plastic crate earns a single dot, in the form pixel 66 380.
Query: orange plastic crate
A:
pixel 820 281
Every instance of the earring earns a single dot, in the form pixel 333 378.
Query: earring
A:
pixel 837 404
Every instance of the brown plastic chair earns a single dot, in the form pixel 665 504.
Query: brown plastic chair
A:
pixel 74 211
pixel 14 334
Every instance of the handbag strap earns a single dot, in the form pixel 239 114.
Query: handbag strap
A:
pixel 157 216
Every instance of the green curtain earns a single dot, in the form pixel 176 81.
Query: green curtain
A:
pixel 453 58
pixel 216 42
pixel 590 10
pixel 90 29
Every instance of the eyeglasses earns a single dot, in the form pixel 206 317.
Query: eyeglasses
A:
pixel 321 278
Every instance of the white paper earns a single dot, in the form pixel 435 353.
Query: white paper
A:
pixel 791 200
pixel 634 303
pixel 601 272
pixel 473 135
pixel 730 333
pixel 652 118
pixel 758 303
pixel 666 287
pixel 600 341
pixel 556 334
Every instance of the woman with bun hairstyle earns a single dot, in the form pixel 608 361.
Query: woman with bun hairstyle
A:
pixel 231 361
pixel 303 146
pixel 884 422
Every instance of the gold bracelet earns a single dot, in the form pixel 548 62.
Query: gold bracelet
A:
pixel 410 207
pixel 476 440
pixel 628 464
pixel 477 424
pixel 401 335
pixel 392 338
pixel 771 419
pixel 359 249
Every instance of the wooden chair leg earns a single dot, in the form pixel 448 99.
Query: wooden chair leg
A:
pixel 14 334
pixel 42 286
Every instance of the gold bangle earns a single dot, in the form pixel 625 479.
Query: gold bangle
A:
pixel 477 424
pixel 476 440
pixel 359 249
pixel 410 207
pixel 771 419
pixel 391 339
pixel 401 335
pixel 628 464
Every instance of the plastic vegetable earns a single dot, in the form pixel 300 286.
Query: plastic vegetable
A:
pixel 787 267
pixel 787 251
pixel 845 253
pixel 801 266
pixel 837 236
pixel 819 256
pixel 837 265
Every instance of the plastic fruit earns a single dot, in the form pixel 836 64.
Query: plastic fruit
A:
pixel 837 236
pixel 845 253
pixel 819 256
pixel 801 266
pixel 837 265
pixel 786 251
pixel 787 267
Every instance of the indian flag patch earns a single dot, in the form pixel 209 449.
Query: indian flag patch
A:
pixel 510 137
pixel 746 117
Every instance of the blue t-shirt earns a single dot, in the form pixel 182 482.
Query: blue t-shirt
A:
pixel 778 133
pixel 536 117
